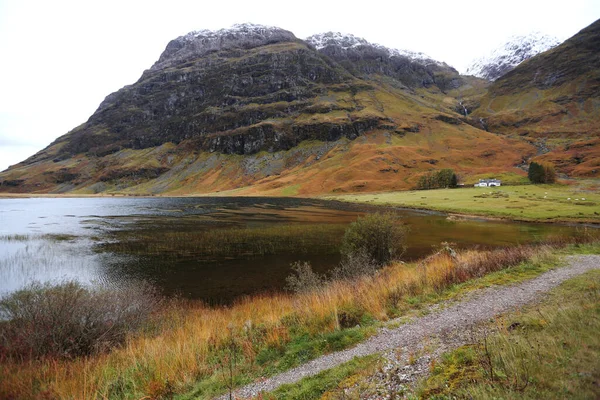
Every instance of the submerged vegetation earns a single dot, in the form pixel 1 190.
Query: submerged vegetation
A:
pixel 185 348
pixel 225 242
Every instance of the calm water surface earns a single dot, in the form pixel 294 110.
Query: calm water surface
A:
pixel 212 248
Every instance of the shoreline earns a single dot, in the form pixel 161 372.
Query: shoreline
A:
pixel 449 213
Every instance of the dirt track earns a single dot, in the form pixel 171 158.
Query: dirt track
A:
pixel 480 306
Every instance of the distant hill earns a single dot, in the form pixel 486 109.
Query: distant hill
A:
pixel 553 101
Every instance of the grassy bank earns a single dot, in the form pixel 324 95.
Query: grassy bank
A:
pixel 545 203
pixel 202 351
pixel 549 351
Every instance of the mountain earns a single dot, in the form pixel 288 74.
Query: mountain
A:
pixel 364 59
pixel 255 110
pixel 506 57
pixel 553 101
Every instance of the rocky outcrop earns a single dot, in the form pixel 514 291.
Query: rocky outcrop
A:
pixel 361 58
pixel 201 43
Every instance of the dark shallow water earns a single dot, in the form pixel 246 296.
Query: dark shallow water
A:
pixel 211 248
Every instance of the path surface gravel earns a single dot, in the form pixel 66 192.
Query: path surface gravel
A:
pixel 481 306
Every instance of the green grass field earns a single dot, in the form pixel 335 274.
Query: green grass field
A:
pixel 528 202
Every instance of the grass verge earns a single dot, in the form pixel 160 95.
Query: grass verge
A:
pixel 549 351
pixel 560 333
pixel 330 381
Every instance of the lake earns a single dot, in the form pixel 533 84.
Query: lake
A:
pixel 210 248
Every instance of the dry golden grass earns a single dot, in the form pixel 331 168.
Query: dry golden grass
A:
pixel 185 345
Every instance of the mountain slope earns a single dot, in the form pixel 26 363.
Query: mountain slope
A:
pixel 254 110
pixel 553 101
pixel 506 57
pixel 364 59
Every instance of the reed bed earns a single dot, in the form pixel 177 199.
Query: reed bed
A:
pixel 191 346
pixel 248 241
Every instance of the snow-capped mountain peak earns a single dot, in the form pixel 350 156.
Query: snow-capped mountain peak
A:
pixel 245 29
pixel 198 43
pixel 506 57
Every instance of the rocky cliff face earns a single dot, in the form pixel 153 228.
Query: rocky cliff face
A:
pixel 506 57
pixel 201 43
pixel 232 91
pixel 364 59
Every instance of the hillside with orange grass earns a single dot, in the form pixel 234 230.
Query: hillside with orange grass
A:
pixel 254 110
pixel 553 102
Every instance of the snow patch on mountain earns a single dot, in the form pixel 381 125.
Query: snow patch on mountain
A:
pixel 246 29
pixel 199 43
pixel 506 57
pixel 348 41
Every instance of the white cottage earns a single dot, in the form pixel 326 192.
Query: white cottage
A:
pixel 488 183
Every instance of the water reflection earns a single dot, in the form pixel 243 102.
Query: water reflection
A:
pixel 210 248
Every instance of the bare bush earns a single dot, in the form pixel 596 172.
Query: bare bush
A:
pixel 67 320
pixel 303 279
pixel 378 235
pixel 354 265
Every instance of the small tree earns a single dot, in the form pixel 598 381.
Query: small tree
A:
pixel 377 236
pixel 549 173
pixel 354 265
pixel 541 173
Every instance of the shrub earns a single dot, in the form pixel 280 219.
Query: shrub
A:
pixel 354 265
pixel 443 178
pixel 67 320
pixel 541 173
pixel 303 278
pixel 378 236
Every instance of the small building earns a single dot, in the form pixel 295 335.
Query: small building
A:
pixel 488 183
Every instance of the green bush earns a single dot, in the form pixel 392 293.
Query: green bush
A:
pixel 443 178
pixel 67 320
pixel 541 173
pixel 379 237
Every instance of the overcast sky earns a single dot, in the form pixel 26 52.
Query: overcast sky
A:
pixel 61 58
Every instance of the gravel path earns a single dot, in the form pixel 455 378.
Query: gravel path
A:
pixel 479 307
